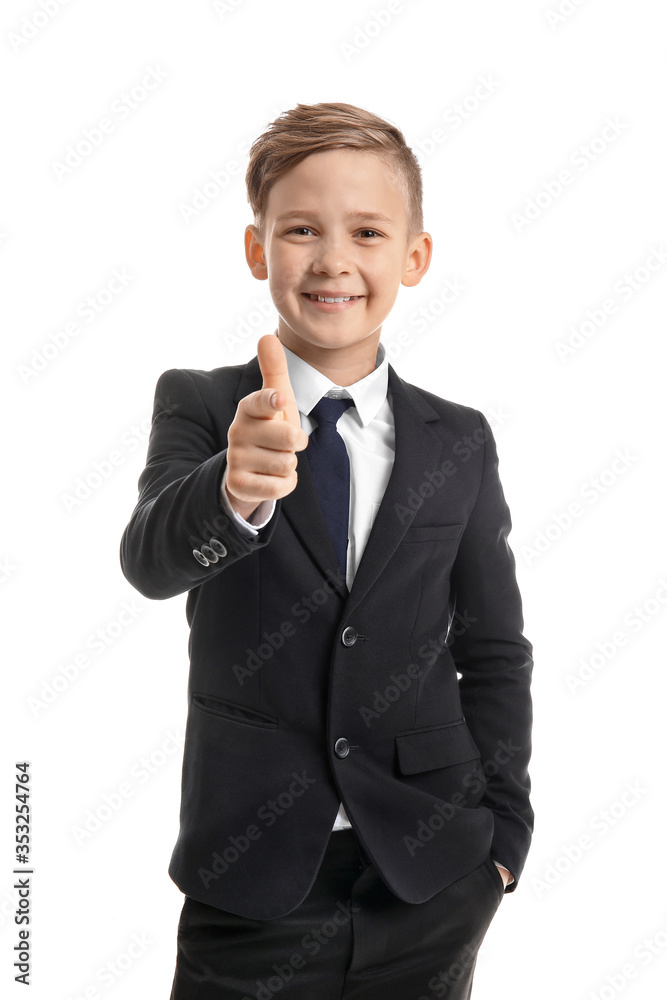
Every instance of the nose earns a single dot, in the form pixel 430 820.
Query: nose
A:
pixel 331 258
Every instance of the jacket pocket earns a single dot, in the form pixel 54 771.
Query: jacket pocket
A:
pixel 232 712
pixel 438 746
pixel 433 533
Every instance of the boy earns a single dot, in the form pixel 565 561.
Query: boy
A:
pixel 352 812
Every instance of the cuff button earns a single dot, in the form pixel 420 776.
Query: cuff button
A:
pixel 218 547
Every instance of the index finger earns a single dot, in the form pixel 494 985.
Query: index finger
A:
pixel 275 375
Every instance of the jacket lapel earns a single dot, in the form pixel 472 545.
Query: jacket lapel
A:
pixel 418 450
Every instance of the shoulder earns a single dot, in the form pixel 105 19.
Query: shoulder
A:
pixel 205 382
pixel 214 383
pixel 455 415
pixel 211 393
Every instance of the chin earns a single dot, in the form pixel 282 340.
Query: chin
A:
pixel 324 338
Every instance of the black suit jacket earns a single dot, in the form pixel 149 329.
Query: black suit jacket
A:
pixel 302 694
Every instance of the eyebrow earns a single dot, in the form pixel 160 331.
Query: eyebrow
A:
pixel 352 216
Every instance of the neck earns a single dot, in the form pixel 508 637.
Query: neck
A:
pixel 343 365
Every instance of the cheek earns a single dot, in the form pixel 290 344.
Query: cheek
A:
pixel 285 280
pixel 384 290
pixel 384 278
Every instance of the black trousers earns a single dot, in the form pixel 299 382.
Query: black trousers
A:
pixel 350 939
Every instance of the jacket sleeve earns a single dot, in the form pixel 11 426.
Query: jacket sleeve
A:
pixel 179 534
pixel 495 663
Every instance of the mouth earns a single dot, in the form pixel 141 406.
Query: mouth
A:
pixel 316 297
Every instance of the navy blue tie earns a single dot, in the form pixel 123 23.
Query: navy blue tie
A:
pixel 330 467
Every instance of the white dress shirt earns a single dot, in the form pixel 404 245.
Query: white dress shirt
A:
pixel 367 428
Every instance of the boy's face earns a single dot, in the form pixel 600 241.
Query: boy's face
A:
pixel 336 224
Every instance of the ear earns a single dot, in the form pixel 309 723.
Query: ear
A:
pixel 254 253
pixel 418 259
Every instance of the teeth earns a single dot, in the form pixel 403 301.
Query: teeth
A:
pixel 322 298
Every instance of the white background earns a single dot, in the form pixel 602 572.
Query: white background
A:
pixel 574 929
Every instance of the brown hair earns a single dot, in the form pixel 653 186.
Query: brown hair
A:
pixel 312 128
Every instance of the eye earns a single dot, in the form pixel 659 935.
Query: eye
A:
pixel 300 230
pixel 372 232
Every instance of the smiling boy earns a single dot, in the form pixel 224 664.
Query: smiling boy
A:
pixel 355 795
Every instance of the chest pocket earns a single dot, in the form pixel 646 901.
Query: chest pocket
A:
pixel 433 533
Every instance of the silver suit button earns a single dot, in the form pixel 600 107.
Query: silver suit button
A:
pixel 349 636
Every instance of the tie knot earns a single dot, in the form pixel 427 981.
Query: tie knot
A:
pixel 330 410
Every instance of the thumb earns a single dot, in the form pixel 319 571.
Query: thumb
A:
pixel 275 375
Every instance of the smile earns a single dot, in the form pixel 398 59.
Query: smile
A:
pixel 326 298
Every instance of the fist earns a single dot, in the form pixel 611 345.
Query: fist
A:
pixel 265 435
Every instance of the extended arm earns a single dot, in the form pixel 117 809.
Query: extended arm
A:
pixel 179 511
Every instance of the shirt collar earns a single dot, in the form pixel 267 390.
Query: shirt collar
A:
pixel 309 385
